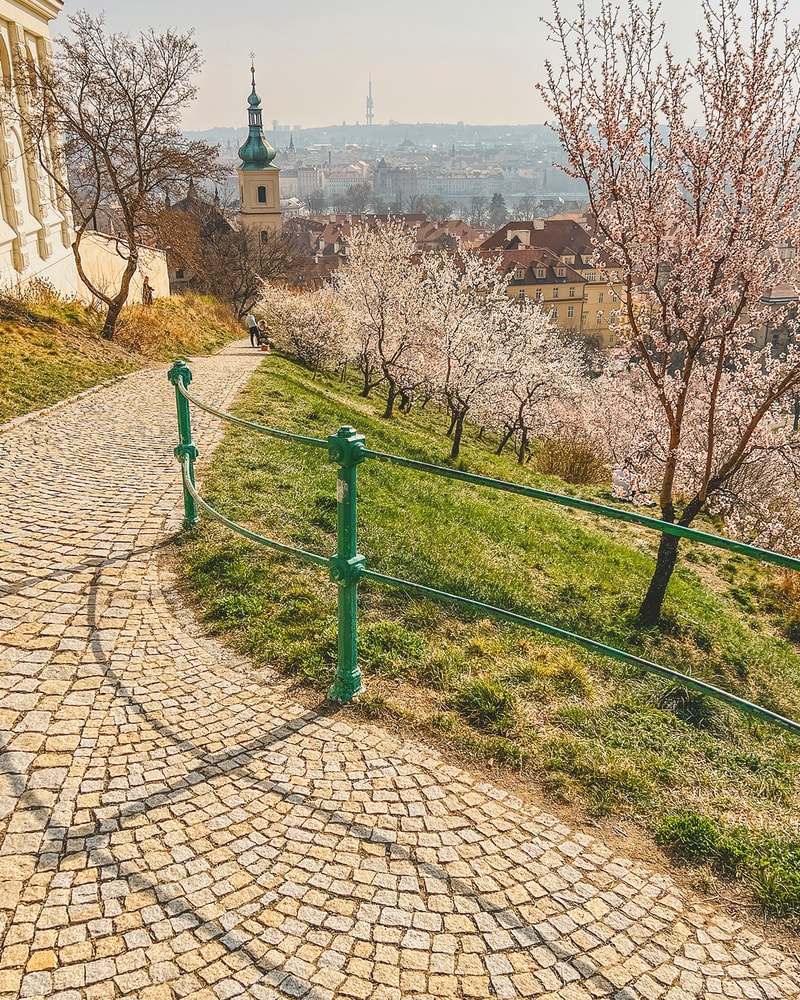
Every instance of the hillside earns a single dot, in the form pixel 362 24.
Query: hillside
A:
pixel 51 348
pixel 604 738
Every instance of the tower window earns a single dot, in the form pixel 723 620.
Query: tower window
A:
pixel 262 195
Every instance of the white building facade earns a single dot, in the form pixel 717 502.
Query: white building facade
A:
pixel 35 221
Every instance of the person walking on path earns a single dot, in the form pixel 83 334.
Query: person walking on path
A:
pixel 147 291
pixel 252 327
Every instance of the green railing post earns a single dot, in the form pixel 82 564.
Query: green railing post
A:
pixel 346 449
pixel 180 373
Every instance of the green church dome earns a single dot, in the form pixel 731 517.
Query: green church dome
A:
pixel 256 153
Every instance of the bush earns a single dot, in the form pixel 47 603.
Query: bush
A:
pixel 777 887
pixel 786 591
pixel 487 704
pixel 573 459
pixel 693 837
pixel 389 648
pixel 691 707
pixel 770 864
pixel 180 325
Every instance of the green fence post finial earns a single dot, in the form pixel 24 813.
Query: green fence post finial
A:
pixel 346 449
pixel 181 375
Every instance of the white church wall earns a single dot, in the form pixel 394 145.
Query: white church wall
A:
pixel 35 222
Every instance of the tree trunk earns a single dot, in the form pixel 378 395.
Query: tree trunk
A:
pixel 110 324
pixel 523 446
pixel 458 429
pixel 650 611
pixel 391 395
pixel 116 305
pixel 506 438
pixel 367 381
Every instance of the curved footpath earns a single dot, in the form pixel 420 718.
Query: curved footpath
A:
pixel 171 828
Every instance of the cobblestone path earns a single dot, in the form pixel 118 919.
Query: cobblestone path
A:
pixel 170 828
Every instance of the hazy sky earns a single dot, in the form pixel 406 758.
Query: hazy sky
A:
pixel 431 60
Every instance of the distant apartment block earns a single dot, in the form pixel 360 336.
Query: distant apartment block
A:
pixel 401 183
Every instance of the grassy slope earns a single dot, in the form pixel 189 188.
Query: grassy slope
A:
pixel 591 731
pixel 50 349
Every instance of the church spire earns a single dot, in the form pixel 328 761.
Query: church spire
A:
pixel 256 153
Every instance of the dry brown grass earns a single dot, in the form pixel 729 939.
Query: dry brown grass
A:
pixel 186 324
pixel 572 458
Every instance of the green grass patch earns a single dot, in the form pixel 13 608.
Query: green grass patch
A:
pixel 488 704
pixel 595 733
pixel 770 864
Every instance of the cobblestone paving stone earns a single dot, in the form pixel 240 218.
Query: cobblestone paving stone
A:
pixel 170 828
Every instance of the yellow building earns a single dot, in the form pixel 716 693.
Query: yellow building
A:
pixel 567 241
pixel 538 274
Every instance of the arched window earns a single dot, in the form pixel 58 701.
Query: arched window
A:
pixel 262 195
pixel 32 70
pixel 5 66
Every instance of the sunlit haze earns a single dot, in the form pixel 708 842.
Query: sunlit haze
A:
pixel 446 60
pixel 431 60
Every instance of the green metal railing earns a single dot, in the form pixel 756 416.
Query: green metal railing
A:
pixel 347 449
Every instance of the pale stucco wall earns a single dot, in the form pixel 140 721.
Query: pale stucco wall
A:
pixel 104 259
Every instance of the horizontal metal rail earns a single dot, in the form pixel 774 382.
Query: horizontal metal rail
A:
pixel 666 527
pixel 347 568
pixel 589 644
pixel 271 431
pixel 270 543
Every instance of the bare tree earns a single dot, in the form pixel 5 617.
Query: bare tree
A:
pixel 229 263
pixel 116 102
pixel 316 202
pixel 478 211
pixel 236 264
pixel 525 207
pixel 434 206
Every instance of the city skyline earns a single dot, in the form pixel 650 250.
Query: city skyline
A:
pixel 313 63
pixel 446 61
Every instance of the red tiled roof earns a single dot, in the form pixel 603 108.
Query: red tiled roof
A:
pixel 531 258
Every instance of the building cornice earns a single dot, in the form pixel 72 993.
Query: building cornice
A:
pixel 44 9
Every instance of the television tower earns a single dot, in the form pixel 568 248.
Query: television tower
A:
pixel 370 104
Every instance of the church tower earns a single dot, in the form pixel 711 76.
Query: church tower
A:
pixel 259 187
